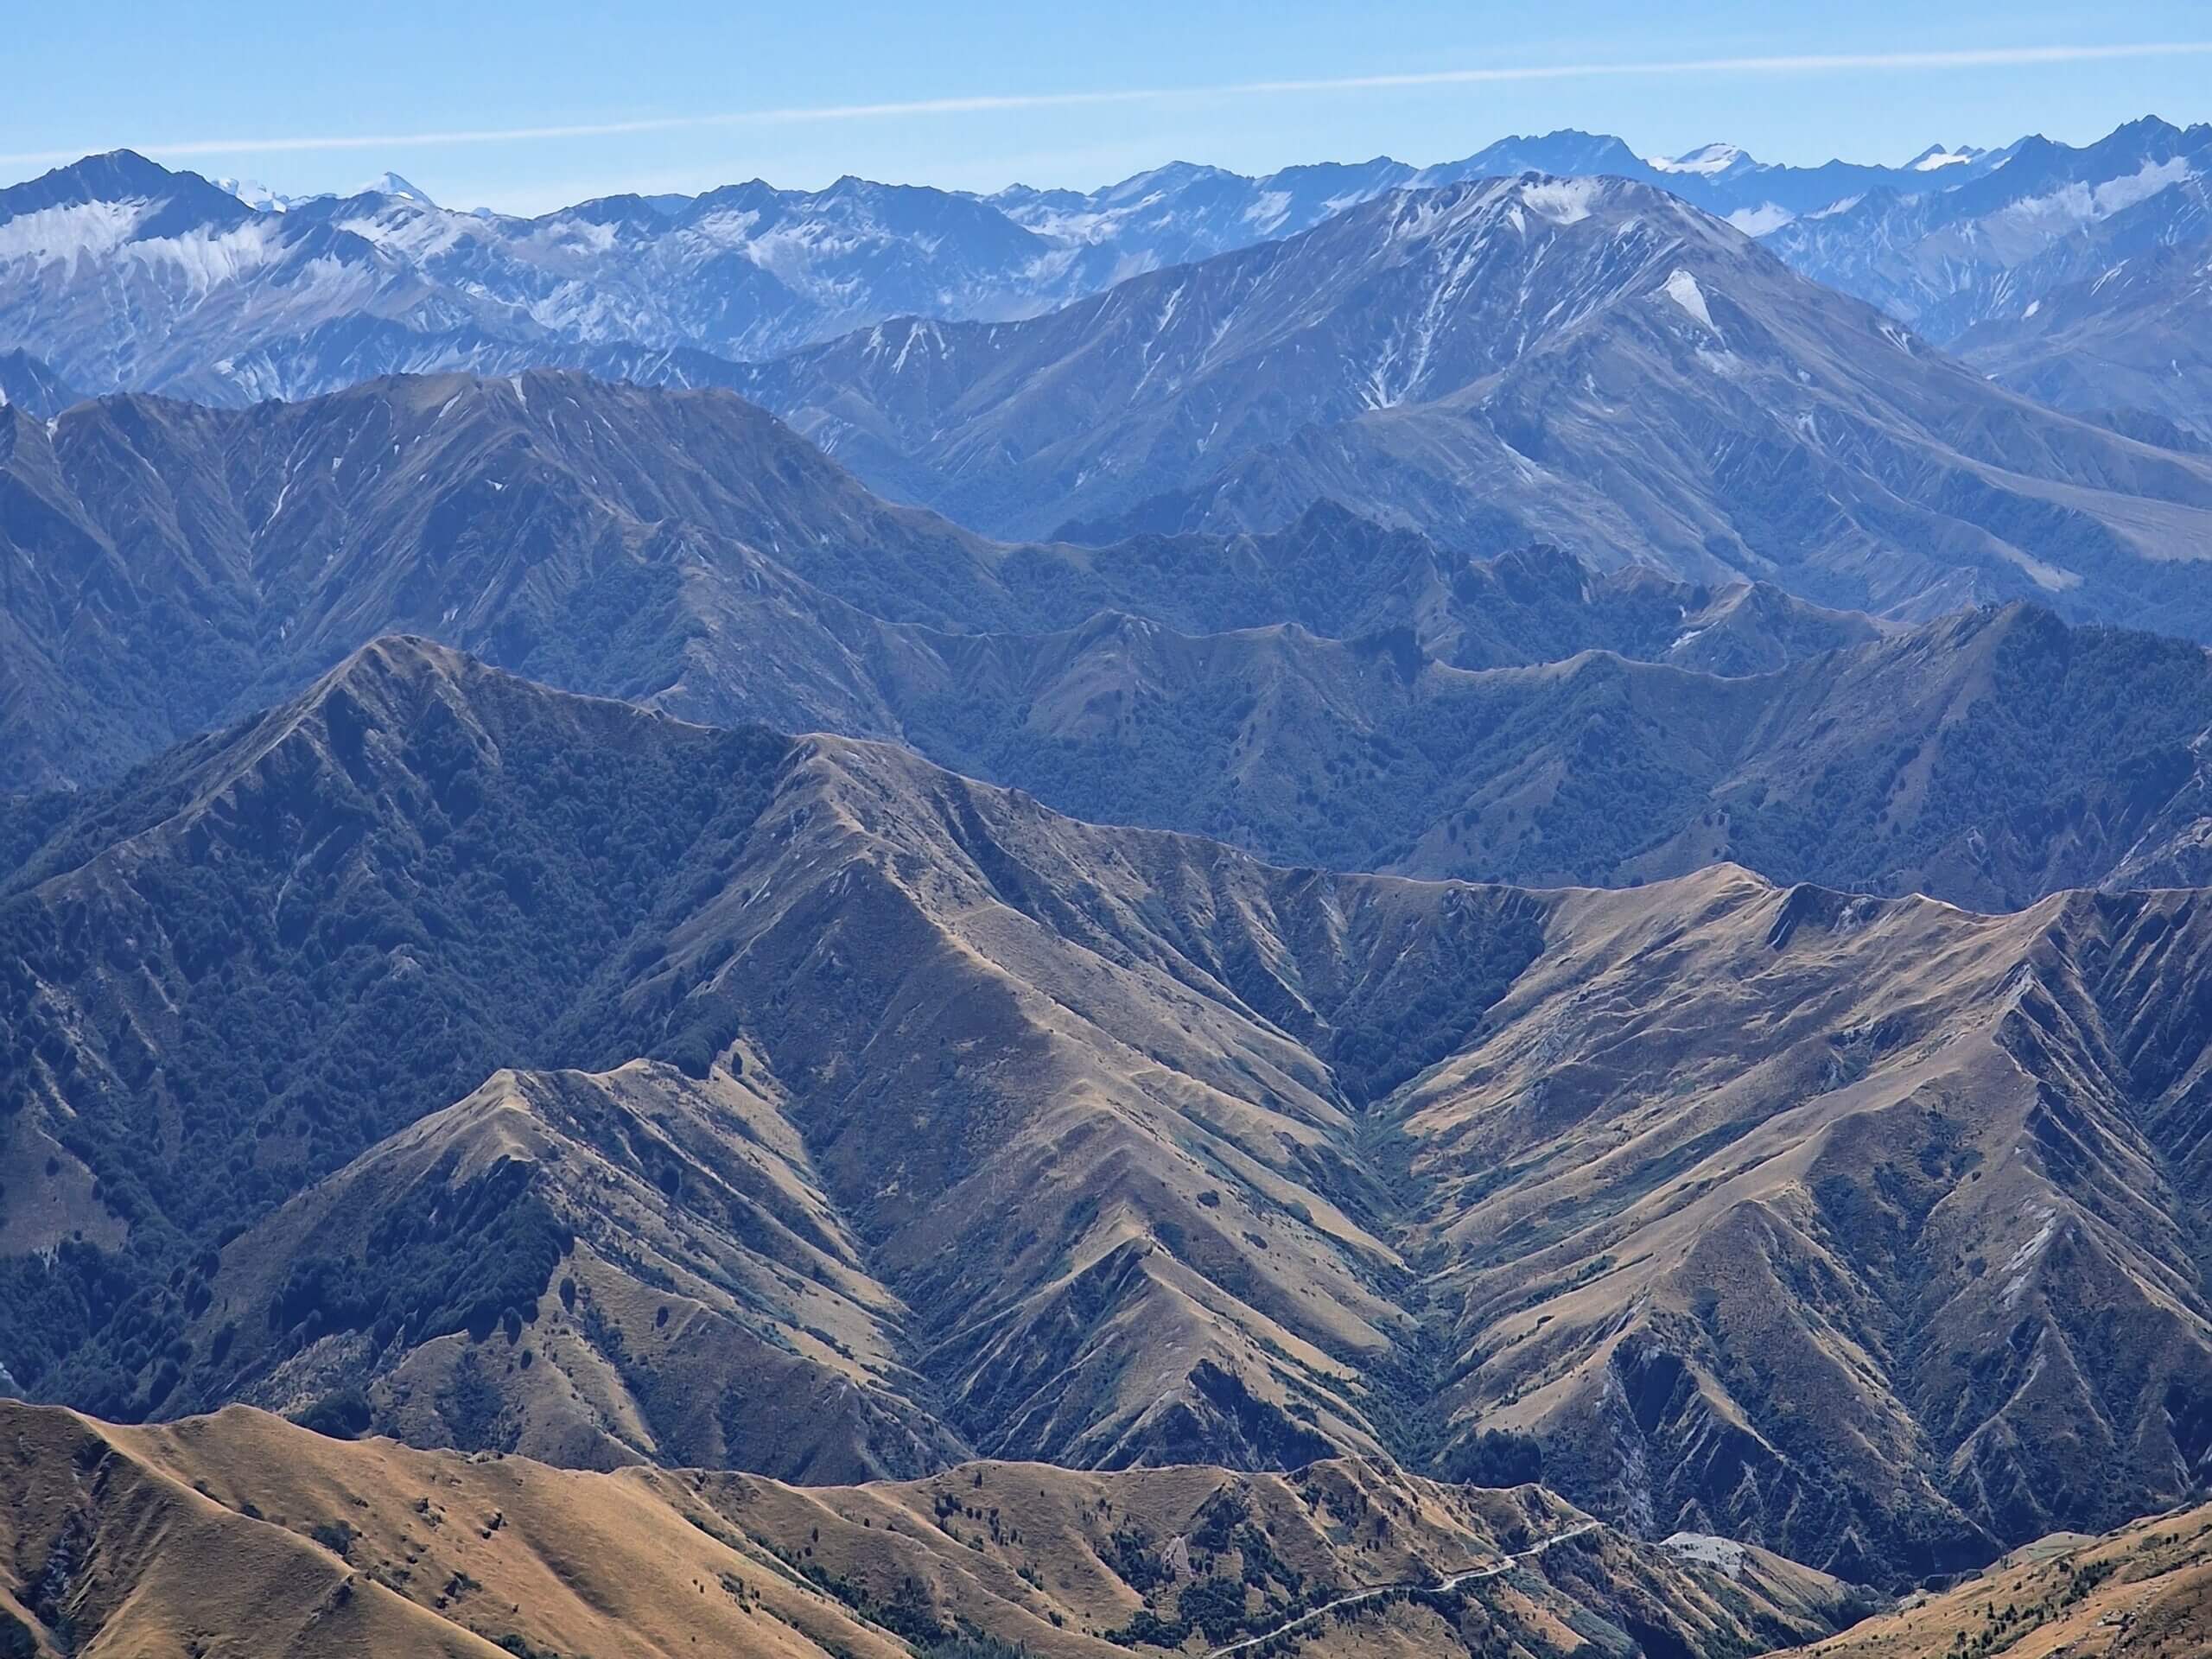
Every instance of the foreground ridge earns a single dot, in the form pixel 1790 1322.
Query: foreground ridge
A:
pixel 370 1547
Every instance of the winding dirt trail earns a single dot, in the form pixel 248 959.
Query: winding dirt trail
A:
pixel 1373 1591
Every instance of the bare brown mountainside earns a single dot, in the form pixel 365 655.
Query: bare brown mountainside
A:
pixel 172 567
pixel 1865 1228
pixel 241 1533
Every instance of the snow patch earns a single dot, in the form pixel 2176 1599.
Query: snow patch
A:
pixel 2025 1259
pixel 1681 288
pixel 68 233
pixel 1763 221
pixel 1705 160
pixel 1268 210
pixel 1563 201
pixel 2078 203
pixel 254 194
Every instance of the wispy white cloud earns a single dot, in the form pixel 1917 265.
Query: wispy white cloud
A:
pixel 1800 64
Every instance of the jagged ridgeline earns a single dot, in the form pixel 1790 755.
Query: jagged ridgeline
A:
pixel 445 1055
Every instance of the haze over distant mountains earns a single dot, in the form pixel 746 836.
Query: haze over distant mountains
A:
pixel 238 293
pixel 1776 432
pixel 244 293
pixel 1592 363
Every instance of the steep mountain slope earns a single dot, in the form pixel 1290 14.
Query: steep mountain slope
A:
pixel 713 1308
pixel 1982 1126
pixel 420 847
pixel 1989 759
pixel 2130 338
pixel 1860 1227
pixel 107 1553
pixel 1074 1089
pixel 2023 223
pixel 1590 363
pixel 173 567
pixel 371 1548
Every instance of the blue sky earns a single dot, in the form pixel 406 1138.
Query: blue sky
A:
pixel 524 107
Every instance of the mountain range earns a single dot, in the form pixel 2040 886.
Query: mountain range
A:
pixel 1419 344
pixel 2126 343
pixel 174 567
pixel 839 1085
pixel 1591 363
pixel 1332 693
pixel 128 277
pixel 1987 244
pixel 1451 911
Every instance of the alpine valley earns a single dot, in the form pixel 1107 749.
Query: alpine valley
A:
pixel 1437 911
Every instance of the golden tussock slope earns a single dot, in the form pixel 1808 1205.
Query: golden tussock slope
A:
pixel 2144 1592
pixel 242 1533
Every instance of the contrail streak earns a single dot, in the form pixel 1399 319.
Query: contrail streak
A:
pixel 1820 63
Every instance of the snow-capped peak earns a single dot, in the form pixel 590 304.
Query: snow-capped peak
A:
pixel 1707 160
pixel 1935 156
pixel 254 194
pixel 260 196
pixel 391 184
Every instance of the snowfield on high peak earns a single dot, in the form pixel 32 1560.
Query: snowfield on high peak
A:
pixel 1563 201
pixel 1762 220
pixel 71 233
pixel 1705 160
